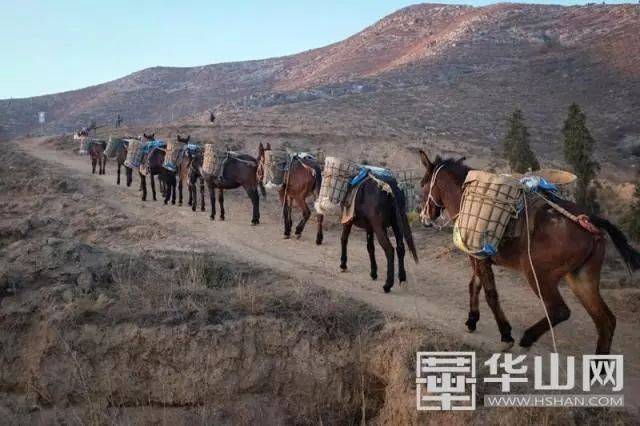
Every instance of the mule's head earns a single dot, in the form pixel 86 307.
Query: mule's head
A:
pixel 184 140
pixel 431 195
pixel 150 137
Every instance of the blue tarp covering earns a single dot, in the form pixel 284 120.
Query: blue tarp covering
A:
pixel 151 145
pixel 379 172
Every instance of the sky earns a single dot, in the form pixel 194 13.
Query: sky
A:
pixel 50 46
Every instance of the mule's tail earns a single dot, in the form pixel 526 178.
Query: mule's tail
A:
pixel 403 222
pixel 630 255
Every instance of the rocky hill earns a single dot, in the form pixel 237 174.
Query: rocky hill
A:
pixel 426 72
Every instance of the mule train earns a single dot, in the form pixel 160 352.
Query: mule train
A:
pixel 519 222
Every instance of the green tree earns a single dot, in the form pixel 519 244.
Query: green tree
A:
pixel 516 147
pixel 633 217
pixel 578 149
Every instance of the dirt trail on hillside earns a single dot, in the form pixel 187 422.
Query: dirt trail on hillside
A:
pixel 436 294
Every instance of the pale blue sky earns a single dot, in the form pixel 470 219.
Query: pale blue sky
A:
pixel 50 46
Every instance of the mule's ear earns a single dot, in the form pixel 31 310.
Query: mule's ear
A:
pixel 268 146
pixel 153 136
pixel 188 138
pixel 425 160
pixel 260 148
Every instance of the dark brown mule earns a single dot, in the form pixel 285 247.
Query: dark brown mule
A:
pixel 154 160
pixel 98 158
pixel 375 210
pixel 301 180
pixel 559 248
pixel 121 156
pixel 175 179
pixel 194 174
pixel 239 171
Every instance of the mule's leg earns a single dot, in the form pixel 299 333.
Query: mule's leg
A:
pixel 585 284
pixel 385 243
pixel 143 186
pixel 167 194
pixel 153 187
pixel 94 161
pixel 286 216
pixel 371 249
pixel 180 190
pixel 221 202
pixel 557 309
pixel 201 194
pixel 118 179
pixel 344 240
pixel 252 192
pixel 306 214
pixel 173 188
pixel 212 198
pixel 402 273
pixel 491 293
pixel 474 299
pixel 193 194
pixel 104 165
pixel 320 235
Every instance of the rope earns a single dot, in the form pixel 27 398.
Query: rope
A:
pixel 535 276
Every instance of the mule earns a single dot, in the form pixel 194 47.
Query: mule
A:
pixel 175 179
pixel 375 210
pixel 559 247
pixel 98 157
pixel 302 180
pixel 239 170
pixel 195 176
pixel 153 161
pixel 121 156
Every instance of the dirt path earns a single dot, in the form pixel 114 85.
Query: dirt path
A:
pixel 436 294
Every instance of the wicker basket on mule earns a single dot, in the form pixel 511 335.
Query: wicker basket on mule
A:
pixel 112 146
pixel 336 177
pixel 87 143
pixel 174 153
pixel 213 160
pixel 276 163
pixel 409 182
pixel 135 152
pixel 488 204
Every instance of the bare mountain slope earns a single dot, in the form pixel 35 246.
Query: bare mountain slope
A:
pixel 426 71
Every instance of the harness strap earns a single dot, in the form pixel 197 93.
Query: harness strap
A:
pixel 582 219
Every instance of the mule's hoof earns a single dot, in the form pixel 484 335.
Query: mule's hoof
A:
pixel 318 241
pixel 202 209
pixel 287 237
pixel 505 346
pixel 253 222
pixel 343 268
pixel 173 203
pixel 526 341
pixel 402 277
pixel 180 203
pixel 298 236
pixel 471 327
pixel 387 288
pixel 212 218
pixel 374 276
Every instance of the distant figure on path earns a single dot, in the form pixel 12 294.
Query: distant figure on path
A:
pixel 118 121
pixel 212 117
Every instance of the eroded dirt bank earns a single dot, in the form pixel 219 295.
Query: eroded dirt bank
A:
pixel 103 320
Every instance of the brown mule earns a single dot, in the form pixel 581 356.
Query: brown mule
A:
pixel 175 179
pixel 239 170
pixel 153 160
pixel 121 156
pixel 301 180
pixel 98 158
pixel 560 248
pixel 375 210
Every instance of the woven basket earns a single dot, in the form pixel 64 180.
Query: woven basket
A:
pixel 275 167
pixel 213 160
pixel 112 147
pixel 135 152
pixel 336 176
pixel 488 203
pixel 409 182
pixel 174 148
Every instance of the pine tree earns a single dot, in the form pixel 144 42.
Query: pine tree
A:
pixel 633 217
pixel 516 147
pixel 578 148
